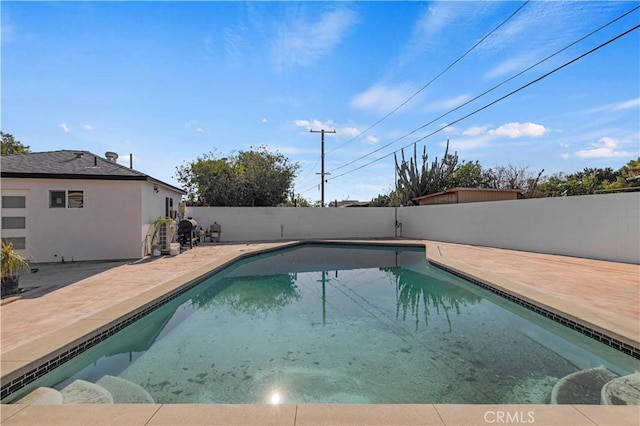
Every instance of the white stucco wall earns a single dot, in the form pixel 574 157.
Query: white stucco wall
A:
pixel 604 226
pixel 275 223
pixel 153 198
pixel 107 227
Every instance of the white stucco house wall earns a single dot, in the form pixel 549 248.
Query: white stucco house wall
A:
pixel 78 206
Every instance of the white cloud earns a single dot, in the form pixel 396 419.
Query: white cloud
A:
pixel 236 45
pixel 264 120
pixel 449 129
pixel 480 136
pixel 64 127
pixel 511 66
pixel 475 131
pixel 351 132
pixel 381 99
pixel 300 41
pixel 315 124
pixel 633 103
pixel 437 17
pixel 618 106
pixel 468 143
pixel 427 29
pixel 448 103
pixel 371 140
pixel 544 25
pixel 87 127
pixel 193 124
pixel 604 148
pixel 518 130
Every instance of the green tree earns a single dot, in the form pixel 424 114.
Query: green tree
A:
pixel 391 199
pixel 628 176
pixel 257 177
pixel 12 146
pixel 296 200
pixel 470 175
pixel 590 180
pixel 382 200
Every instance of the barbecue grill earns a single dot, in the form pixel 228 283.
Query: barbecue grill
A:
pixel 187 232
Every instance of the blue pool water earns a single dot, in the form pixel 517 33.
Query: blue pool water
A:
pixel 341 324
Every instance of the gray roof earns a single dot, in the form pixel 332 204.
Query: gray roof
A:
pixel 69 164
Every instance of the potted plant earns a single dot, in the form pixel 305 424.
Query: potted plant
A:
pixel 163 232
pixel 12 264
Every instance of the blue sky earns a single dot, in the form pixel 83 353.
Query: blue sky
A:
pixel 170 81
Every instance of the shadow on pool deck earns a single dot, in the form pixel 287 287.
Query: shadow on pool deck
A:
pixel 73 292
pixel 47 277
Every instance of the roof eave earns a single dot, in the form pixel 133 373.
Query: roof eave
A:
pixel 141 178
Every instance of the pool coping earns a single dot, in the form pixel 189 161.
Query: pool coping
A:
pixel 53 346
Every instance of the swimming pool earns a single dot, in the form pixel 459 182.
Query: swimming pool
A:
pixel 341 324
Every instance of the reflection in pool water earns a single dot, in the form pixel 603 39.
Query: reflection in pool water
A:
pixel 341 324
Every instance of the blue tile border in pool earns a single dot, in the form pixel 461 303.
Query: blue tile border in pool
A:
pixel 587 331
pixel 53 363
pixel 49 365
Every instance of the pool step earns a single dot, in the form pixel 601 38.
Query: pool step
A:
pixel 125 391
pixel 107 390
pixel 83 392
pixel 42 395
pixel 582 387
pixel 623 390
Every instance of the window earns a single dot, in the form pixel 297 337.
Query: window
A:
pixel 168 206
pixel 56 199
pixel 76 199
pixel 9 222
pixel 13 202
pixel 72 199
pixel 18 243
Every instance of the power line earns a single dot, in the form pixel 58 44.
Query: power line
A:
pixel 497 100
pixel 487 91
pixel 433 79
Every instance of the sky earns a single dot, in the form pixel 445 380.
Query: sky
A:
pixel 168 82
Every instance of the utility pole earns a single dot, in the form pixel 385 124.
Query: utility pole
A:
pixel 322 173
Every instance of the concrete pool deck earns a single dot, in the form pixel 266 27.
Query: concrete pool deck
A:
pixel 603 295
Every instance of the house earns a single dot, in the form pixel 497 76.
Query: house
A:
pixel 63 206
pixel 467 195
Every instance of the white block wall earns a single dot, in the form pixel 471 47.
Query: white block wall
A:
pixel 290 223
pixel 605 226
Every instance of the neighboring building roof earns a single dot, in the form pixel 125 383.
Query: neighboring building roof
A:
pixel 468 195
pixel 349 203
pixel 448 191
pixel 70 164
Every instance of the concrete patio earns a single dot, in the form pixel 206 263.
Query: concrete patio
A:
pixel 604 296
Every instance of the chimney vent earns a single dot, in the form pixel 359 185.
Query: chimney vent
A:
pixel 111 156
